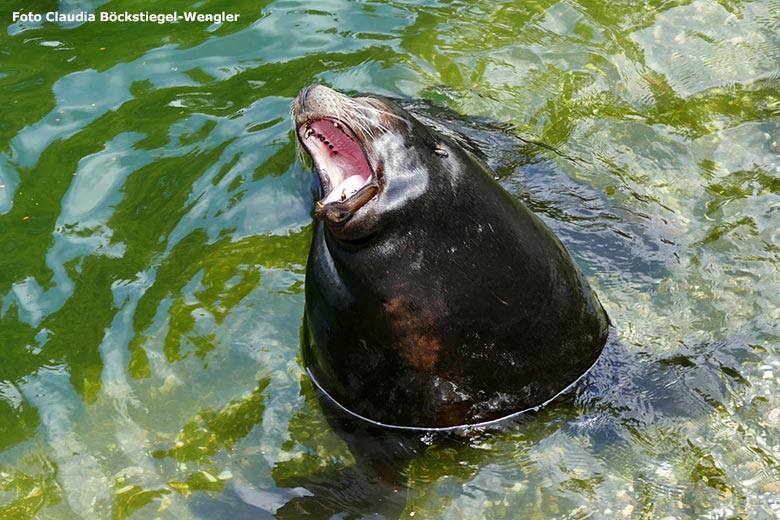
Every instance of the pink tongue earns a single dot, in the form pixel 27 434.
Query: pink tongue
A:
pixel 346 189
pixel 338 157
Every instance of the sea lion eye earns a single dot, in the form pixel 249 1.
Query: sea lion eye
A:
pixel 441 151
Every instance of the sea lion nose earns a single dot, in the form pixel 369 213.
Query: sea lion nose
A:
pixel 303 97
pixel 319 98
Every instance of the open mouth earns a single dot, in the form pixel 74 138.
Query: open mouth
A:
pixel 338 157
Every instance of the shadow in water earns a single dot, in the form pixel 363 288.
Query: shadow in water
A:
pixel 374 485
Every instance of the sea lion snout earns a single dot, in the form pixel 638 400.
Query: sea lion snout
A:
pixel 314 100
pixel 332 128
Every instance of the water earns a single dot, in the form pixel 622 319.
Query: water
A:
pixel 155 219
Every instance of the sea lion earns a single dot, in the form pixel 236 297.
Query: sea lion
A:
pixel 434 299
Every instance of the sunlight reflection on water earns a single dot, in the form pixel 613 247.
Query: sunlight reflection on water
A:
pixel 154 226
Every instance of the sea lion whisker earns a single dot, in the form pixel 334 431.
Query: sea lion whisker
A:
pixel 365 116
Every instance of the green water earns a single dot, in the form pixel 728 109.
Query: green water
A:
pixel 155 221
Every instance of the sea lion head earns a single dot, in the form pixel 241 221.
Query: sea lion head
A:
pixel 372 158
